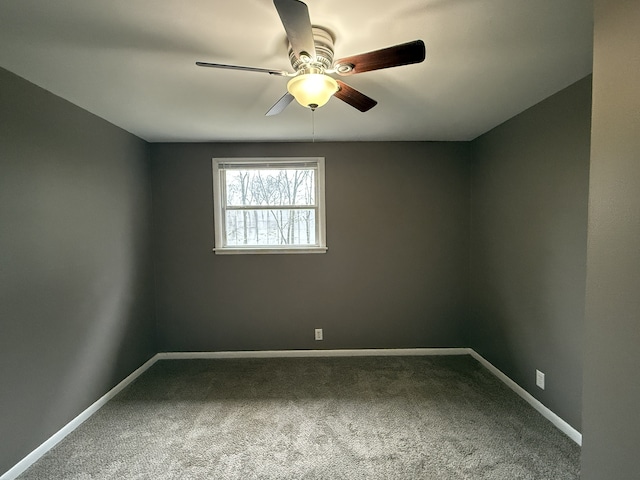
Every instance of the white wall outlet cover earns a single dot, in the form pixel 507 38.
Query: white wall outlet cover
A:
pixel 540 379
pixel 318 334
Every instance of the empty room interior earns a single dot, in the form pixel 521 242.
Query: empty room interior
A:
pixel 457 297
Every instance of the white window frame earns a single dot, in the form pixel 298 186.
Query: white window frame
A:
pixel 219 204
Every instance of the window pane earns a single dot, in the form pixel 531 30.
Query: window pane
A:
pixel 271 227
pixel 279 187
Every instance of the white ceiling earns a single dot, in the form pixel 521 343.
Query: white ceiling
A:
pixel 132 62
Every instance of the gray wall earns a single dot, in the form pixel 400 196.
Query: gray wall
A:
pixel 75 301
pixel 612 339
pixel 395 275
pixel 528 236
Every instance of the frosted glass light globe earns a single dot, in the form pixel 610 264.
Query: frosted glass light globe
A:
pixel 312 90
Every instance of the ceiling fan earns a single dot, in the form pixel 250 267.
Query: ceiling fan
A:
pixel 311 56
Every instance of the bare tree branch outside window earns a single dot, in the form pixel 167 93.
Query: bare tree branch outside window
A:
pixel 271 206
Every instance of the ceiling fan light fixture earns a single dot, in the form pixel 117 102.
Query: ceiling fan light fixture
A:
pixel 312 90
pixel 311 55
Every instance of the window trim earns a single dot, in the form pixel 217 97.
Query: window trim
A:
pixel 219 210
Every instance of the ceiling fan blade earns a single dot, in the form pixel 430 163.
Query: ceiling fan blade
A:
pixel 280 105
pixel 403 54
pixel 281 73
pixel 294 15
pixel 354 98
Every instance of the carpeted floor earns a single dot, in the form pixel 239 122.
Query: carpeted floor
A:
pixel 371 418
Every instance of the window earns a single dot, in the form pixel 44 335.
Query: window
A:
pixel 269 205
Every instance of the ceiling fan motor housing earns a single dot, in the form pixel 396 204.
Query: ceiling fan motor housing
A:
pixel 323 40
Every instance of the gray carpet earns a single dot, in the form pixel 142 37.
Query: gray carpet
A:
pixel 314 418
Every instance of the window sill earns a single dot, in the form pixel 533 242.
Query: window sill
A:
pixel 262 251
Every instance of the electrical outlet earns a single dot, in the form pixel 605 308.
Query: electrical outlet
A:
pixel 540 379
pixel 318 334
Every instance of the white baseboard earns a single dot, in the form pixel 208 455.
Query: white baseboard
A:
pixel 30 459
pixel 563 426
pixel 34 456
pixel 366 352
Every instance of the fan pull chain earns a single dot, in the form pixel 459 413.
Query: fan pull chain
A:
pixel 313 126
